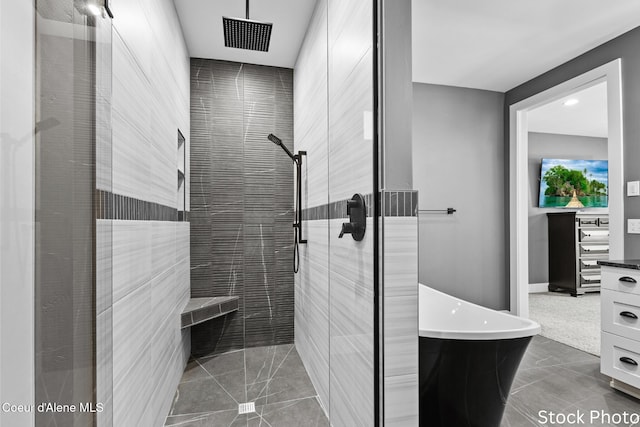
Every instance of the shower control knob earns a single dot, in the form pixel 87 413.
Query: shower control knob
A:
pixel 353 203
pixel 357 211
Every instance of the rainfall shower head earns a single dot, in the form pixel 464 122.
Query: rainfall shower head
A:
pixel 246 33
pixel 278 141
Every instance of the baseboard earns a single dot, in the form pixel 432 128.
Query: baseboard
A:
pixel 536 288
pixel 625 388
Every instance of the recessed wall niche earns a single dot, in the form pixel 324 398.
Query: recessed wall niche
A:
pixel 182 170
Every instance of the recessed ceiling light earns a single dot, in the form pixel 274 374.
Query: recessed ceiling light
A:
pixel 94 10
pixel 570 102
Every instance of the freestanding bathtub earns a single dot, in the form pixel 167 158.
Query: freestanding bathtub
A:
pixel 469 356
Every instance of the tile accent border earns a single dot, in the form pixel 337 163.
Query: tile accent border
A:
pixel 116 206
pixel 396 203
pixel 400 203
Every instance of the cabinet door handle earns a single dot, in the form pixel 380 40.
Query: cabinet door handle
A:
pixel 627 279
pixel 628 361
pixel 628 314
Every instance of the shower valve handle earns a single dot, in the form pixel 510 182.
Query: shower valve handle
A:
pixel 347 228
pixel 357 212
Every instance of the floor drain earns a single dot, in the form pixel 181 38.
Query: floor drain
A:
pixel 245 408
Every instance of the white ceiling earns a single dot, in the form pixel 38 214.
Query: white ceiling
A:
pixel 201 22
pixel 488 44
pixel 499 44
pixel 587 118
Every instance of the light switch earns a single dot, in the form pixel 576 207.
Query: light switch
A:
pixel 633 226
pixel 633 188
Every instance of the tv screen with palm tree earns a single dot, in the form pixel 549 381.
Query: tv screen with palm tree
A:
pixel 570 183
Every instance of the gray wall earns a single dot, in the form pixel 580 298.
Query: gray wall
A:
pixel 242 202
pixel 398 93
pixel 625 47
pixel 551 146
pixel 458 162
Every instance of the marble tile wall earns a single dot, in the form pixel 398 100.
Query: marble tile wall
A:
pixel 311 106
pixel 399 257
pixel 144 249
pixel 242 202
pixel 350 83
pixel 351 332
pixel 312 303
pixel 334 289
pixel 311 134
pixel 350 164
pixel 401 320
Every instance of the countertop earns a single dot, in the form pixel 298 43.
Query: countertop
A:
pixel 633 264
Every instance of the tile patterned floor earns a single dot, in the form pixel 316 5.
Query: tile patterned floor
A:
pixel 559 378
pixel 552 377
pixel 273 377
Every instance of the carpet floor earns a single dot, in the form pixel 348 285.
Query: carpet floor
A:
pixel 569 320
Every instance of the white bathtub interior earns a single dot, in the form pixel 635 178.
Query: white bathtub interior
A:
pixel 448 317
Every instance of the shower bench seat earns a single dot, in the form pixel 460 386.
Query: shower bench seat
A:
pixel 199 310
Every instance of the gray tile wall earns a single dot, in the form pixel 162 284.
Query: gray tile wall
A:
pixel 242 202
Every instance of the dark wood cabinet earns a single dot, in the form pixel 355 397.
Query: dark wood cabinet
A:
pixel 576 242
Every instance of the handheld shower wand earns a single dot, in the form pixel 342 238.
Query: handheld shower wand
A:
pixel 278 141
pixel 297 159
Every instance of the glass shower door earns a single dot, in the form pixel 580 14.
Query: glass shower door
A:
pixel 351 171
pixel 72 125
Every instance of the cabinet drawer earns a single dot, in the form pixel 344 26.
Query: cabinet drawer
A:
pixel 620 359
pixel 621 279
pixel 589 264
pixel 593 249
pixel 589 279
pixel 621 313
pixel 594 235
pixel 589 222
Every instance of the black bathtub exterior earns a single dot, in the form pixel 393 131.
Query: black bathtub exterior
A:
pixel 465 383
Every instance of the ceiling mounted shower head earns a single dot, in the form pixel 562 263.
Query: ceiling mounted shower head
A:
pixel 246 33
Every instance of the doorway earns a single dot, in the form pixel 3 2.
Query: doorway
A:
pixel 568 152
pixel 519 178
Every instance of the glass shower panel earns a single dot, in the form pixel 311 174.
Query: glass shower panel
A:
pixel 351 171
pixel 72 117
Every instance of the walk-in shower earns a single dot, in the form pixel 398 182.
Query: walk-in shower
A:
pixel 297 225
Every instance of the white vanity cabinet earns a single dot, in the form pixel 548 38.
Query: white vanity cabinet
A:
pixel 620 324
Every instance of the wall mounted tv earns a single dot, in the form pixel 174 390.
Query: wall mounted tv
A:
pixel 574 184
